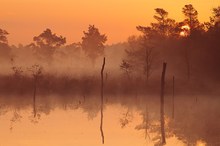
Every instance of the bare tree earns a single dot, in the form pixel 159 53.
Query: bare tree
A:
pixel 140 56
pixel 148 57
pixel 126 119
pixel 126 67
pixel 36 71
pixel 17 70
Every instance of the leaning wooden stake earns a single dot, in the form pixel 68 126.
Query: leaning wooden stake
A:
pixel 173 109
pixel 162 105
pixel 102 85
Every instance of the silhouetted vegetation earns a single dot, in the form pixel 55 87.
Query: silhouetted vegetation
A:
pixel 93 43
pixel 191 49
pixel 46 44
pixel 4 47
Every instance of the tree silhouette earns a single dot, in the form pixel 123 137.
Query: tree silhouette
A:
pixel 36 71
pixel 214 19
pixel 191 16
pixel 216 13
pixel 161 17
pixel 134 55
pixel 148 58
pixel 192 21
pixel 4 47
pixel 163 27
pixel 47 42
pixel 3 36
pixel 93 43
pixel 126 67
pixel 140 56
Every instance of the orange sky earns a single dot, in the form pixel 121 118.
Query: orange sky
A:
pixel 24 19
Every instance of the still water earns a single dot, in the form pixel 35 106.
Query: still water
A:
pixel 127 121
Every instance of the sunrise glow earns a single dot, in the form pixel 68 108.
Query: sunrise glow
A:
pixel 185 31
pixel 201 143
pixel 118 19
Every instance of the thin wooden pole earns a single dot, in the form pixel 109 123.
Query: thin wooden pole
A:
pixel 173 109
pixel 146 122
pixel 162 105
pixel 102 85
pixel 34 98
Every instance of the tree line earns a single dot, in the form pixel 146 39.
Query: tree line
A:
pixel 45 44
pixel 191 48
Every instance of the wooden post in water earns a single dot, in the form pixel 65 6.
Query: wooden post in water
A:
pixel 162 121
pixel 146 122
pixel 102 85
pixel 34 98
pixel 173 109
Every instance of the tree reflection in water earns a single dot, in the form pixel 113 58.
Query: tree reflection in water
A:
pixel 196 123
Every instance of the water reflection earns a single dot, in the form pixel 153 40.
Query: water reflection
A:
pixel 127 121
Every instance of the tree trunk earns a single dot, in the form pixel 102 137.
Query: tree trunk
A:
pixel 102 85
pixel 163 139
pixel 188 66
pixel 148 55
